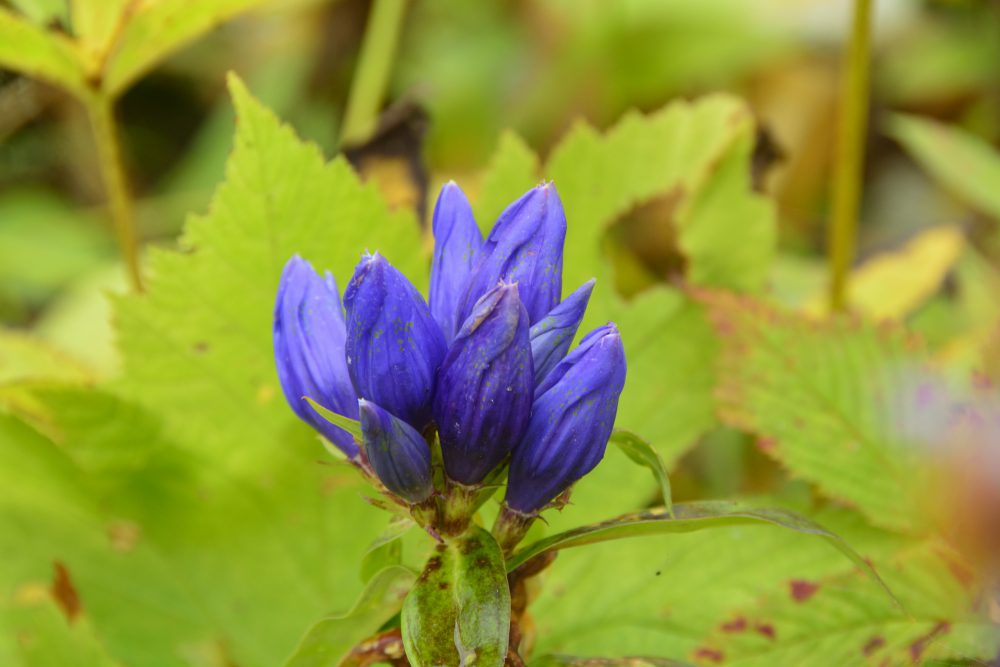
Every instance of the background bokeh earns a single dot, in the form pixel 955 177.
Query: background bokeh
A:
pixel 157 492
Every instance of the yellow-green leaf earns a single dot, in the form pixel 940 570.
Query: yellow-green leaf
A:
pixel 31 50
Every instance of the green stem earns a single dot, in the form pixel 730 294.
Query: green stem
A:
pixel 371 77
pixel 849 156
pixel 100 107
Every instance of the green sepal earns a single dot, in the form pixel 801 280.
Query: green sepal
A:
pixel 352 426
pixel 641 452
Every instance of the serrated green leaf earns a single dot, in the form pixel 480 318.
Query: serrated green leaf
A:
pixel 642 453
pixel 700 154
pixel 197 346
pixel 965 164
pixel 157 29
pixel 327 642
pixel 513 170
pixel 231 566
pixel 827 400
pixel 458 612
pixel 689 517
pixel 841 620
pixel 36 52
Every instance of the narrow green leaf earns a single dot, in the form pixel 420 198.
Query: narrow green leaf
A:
pixel 43 12
pixel 157 29
pixel 386 550
pixel 352 426
pixel 689 517
pixel 571 661
pixel 963 163
pixel 95 22
pixel 458 613
pixel 33 51
pixel 327 642
pixel 180 357
pixel 642 453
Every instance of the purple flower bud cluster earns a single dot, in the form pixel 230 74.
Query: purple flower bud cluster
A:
pixel 485 364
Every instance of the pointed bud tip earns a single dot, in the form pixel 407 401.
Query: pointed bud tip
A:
pixel 507 287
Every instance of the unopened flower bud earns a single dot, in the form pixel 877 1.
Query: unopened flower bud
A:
pixel 398 454
pixel 485 387
pixel 571 421
pixel 309 339
pixel 394 346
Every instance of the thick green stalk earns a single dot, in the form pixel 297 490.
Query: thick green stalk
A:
pixel 100 107
pixel 849 155
pixel 371 77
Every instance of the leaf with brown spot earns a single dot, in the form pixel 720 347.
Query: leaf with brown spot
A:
pixel 835 401
pixel 802 590
pixel 707 654
pixel 64 592
pixel 848 621
pixel 686 518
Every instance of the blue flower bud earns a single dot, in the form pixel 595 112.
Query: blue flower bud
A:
pixel 394 346
pixel 552 335
pixel 309 338
pixel 485 387
pixel 456 244
pixel 571 421
pixel 399 455
pixel 525 246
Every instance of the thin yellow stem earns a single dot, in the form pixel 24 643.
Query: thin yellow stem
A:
pixel 371 76
pixel 100 107
pixel 849 155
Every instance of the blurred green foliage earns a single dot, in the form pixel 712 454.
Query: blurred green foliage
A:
pixel 160 504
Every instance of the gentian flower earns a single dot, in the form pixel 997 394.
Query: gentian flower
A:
pixel 309 338
pixel 485 386
pixel 552 335
pixel 456 246
pixel 399 455
pixel 485 362
pixel 394 346
pixel 525 246
pixel 571 421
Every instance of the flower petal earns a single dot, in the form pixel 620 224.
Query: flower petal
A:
pixel 457 241
pixel 399 455
pixel 309 339
pixel 394 346
pixel 525 246
pixel 485 387
pixel 571 421
pixel 552 335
